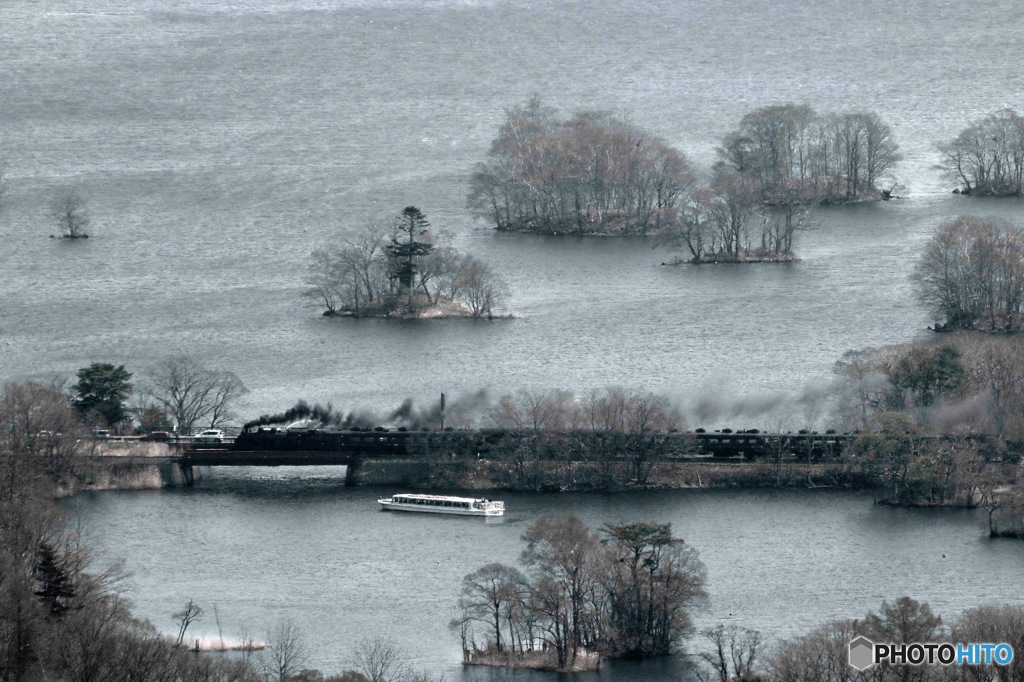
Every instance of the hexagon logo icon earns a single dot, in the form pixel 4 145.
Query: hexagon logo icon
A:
pixel 862 652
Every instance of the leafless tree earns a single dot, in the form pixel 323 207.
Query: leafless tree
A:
pixel 561 551
pixel 192 393
pixel 185 618
pixel 71 213
pixel 285 653
pixel 491 595
pixel 326 280
pixel 820 158
pixel 733 652
pixel 991 624
pixel 42 440
pixel 972 273
pixel 478 286
pixel 821 656
pixel 381 660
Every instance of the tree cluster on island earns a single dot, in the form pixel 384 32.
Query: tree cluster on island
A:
pixel 987 157
pixel 403 271
pixel 599 174
pixel 781 162
pixel 592 174
pixel 623 593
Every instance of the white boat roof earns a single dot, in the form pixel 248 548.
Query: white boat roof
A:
pixel 446 498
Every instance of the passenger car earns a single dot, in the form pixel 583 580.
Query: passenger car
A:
pixel 210 436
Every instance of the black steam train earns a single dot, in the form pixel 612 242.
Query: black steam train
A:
pixel 380 441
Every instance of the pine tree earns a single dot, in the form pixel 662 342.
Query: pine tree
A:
pixel 102 389
pixel 56 588
pixel 405 248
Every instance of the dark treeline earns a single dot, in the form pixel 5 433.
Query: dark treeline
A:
pixel 621 593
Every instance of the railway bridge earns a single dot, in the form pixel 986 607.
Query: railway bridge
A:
pixel 381 456
pixel 363 466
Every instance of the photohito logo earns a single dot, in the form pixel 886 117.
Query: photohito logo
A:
pixel 864 653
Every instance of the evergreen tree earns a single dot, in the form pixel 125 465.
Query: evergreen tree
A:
pixel 56 588
pixel 405 248
pixel 102 389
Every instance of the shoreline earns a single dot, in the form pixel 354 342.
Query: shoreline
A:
pixel 135 474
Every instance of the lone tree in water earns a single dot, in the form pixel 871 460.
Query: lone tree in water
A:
pixel 70 212
pixel 405 248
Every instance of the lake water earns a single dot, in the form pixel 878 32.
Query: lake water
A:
pixel 219 142
pixel 264 545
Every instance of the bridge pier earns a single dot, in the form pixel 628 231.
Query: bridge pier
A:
pixel 173 474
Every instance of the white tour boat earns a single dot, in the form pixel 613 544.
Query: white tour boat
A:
pixel 443 504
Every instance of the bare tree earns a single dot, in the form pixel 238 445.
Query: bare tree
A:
pixel 381 660
pixel 185 618
pixel 478 287
pixel 193 393
pixel 972 273
pixel 325 279
pixel 490 595
pixel 70 211
pixel 733 652
pixel 42 440
pixel 821 656
pixel 592 173
pixel 561 551
pixel 285 653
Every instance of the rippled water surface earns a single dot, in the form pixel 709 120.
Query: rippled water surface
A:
pixel 295 543
pixel 219 143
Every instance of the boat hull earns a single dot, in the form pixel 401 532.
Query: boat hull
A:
pixel 424 509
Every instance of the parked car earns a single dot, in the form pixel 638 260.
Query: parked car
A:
pixel 101 433
pixel 210 436
pixel 158 436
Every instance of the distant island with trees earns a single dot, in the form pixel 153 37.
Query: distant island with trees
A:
pixel 598 174
pixel 987 157
pixel 622 594
pixel 403 271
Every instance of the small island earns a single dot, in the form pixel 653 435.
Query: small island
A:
pixel 403 272
pixel 987 157
pixel 596 174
